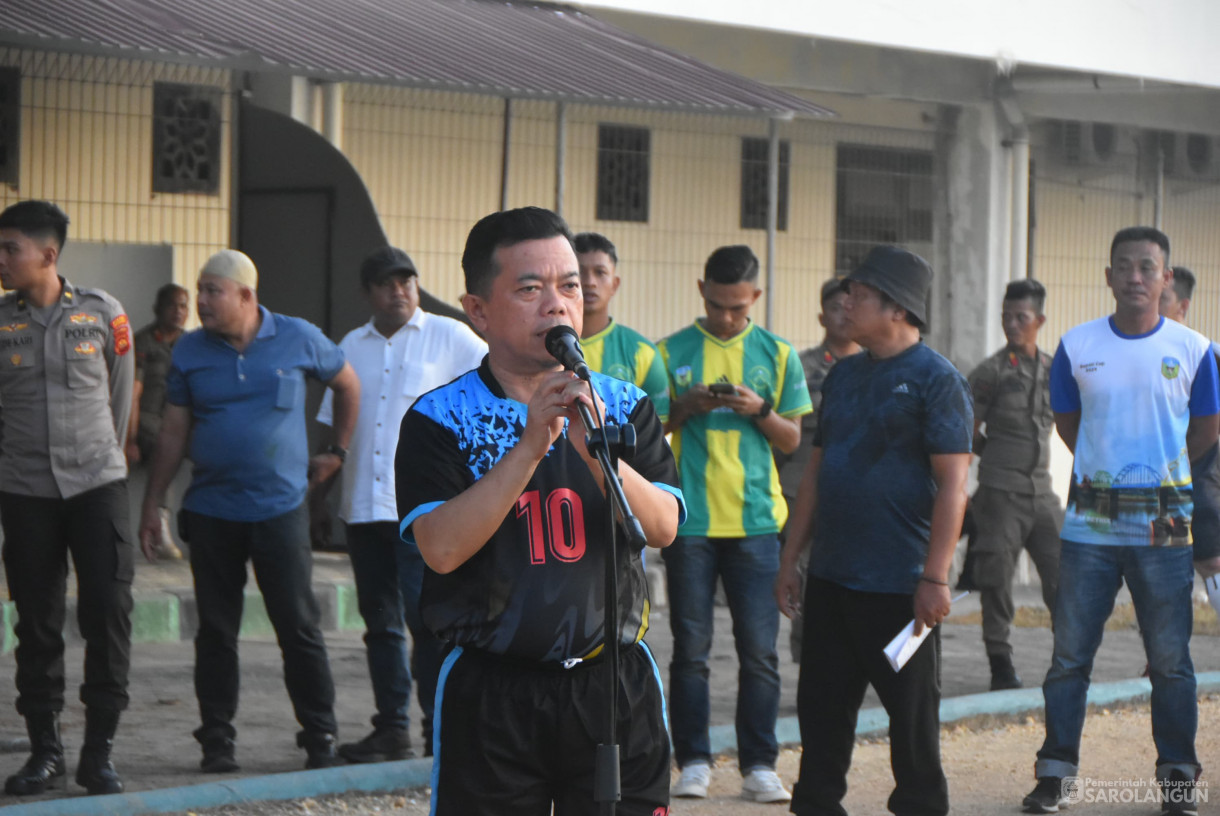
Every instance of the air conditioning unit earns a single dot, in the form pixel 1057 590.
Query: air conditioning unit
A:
pixel 1193 156
pixel 1084 144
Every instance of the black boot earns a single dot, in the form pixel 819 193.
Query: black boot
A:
pixel 95 772
pixel 319 749
pixel 46 762
pixel 1003 674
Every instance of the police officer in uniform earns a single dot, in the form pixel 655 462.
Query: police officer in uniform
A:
pixel 66 374
pixel 1014 507
pixel 816 362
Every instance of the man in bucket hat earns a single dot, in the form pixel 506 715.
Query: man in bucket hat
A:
pixel 893 437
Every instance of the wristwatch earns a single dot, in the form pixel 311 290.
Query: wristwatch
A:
pixel 337 451
pixel 764 410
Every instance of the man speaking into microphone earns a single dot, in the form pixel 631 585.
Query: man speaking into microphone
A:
pixel 508 508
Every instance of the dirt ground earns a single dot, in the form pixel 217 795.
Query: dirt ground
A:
pixel 990 769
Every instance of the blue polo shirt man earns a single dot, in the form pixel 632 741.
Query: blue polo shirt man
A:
pixel 236 390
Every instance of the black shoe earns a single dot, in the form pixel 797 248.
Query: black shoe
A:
pixel 46 762
pixel 1179 795
pixel 1046 797
pixel 383 745
pixel 1003 675
pixel 219 756
pixel 319 750
pixel 95 772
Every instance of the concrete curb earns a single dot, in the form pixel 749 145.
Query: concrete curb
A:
pixel 416 773
pixel 170 615
pixel 874 721
pixel 380 776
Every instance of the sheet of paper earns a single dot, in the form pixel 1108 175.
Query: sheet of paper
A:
pixel 899 650
pixel 1213 591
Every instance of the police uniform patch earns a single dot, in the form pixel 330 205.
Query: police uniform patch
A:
pixel 85 347
pixel 122 334
pixel 82 318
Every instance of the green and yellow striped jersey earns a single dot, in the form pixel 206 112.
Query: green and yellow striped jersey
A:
pixel 725 462
pixel 625 354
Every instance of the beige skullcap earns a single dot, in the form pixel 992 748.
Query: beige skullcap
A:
pixel 234 265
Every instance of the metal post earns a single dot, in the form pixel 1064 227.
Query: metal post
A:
pixel 772 215
pixel 1019 258
pixel 506 153
pixel 561 153
pixel 1158 202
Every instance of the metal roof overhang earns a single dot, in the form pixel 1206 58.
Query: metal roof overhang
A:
pixel 491 47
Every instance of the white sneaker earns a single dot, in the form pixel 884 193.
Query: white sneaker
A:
pixel 693 782
pixel 764 785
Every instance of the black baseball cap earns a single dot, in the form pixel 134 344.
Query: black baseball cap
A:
pixel 382 263
pixel 902 275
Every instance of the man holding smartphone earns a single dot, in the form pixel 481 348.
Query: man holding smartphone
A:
pixel 737 391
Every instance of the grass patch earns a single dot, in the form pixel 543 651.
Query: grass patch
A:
pixel 1123 618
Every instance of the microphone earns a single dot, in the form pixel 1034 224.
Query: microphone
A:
pixel 563 344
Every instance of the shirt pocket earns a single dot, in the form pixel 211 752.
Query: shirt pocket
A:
pixel 289 388
pixel 420 378
pixel 85 363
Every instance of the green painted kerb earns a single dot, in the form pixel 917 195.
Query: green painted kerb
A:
pixel 155 619
pixel 8 616
pixel 347 609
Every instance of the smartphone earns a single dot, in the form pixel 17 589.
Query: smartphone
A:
pixel 722 389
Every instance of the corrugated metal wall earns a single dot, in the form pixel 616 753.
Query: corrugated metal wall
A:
pixel 86 144
pixel 1077 212
pixel 432 162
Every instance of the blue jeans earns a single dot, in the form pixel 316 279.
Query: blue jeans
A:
pixel 748 567
pixel 1160 581
pixel 389 573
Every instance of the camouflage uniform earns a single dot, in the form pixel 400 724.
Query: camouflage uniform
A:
pixel 1014 506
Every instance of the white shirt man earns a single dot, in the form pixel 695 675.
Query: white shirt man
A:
pixel 400 354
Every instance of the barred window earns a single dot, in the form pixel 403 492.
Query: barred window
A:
pixel 622 173
pixel 883 196
pixel 186 138
pixel 10 125
pixel 754 184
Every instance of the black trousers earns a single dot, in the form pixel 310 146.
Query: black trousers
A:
pixel 283 565
pixel 38 535
pixel 842 654
pixel 520 739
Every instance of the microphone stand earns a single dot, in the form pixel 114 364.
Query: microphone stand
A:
pixel 608 443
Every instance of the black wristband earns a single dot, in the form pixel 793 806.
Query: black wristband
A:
pixel 764 410
pixel 337 451
pixel 933 581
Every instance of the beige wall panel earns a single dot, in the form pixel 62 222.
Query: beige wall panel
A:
pixel 86 142
pixel 1192 222
pixel 531 176
pixel 432 165
pixel 1075 223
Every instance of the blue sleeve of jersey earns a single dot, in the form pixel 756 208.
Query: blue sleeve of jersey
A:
pixel 1204 397
pixel 1065 394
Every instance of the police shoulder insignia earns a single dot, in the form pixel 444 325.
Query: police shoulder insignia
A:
pixel 122 334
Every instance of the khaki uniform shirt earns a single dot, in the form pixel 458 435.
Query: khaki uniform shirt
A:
pixel 817 362
pixel 153 355
pixel 1012 400
pixel 65 385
